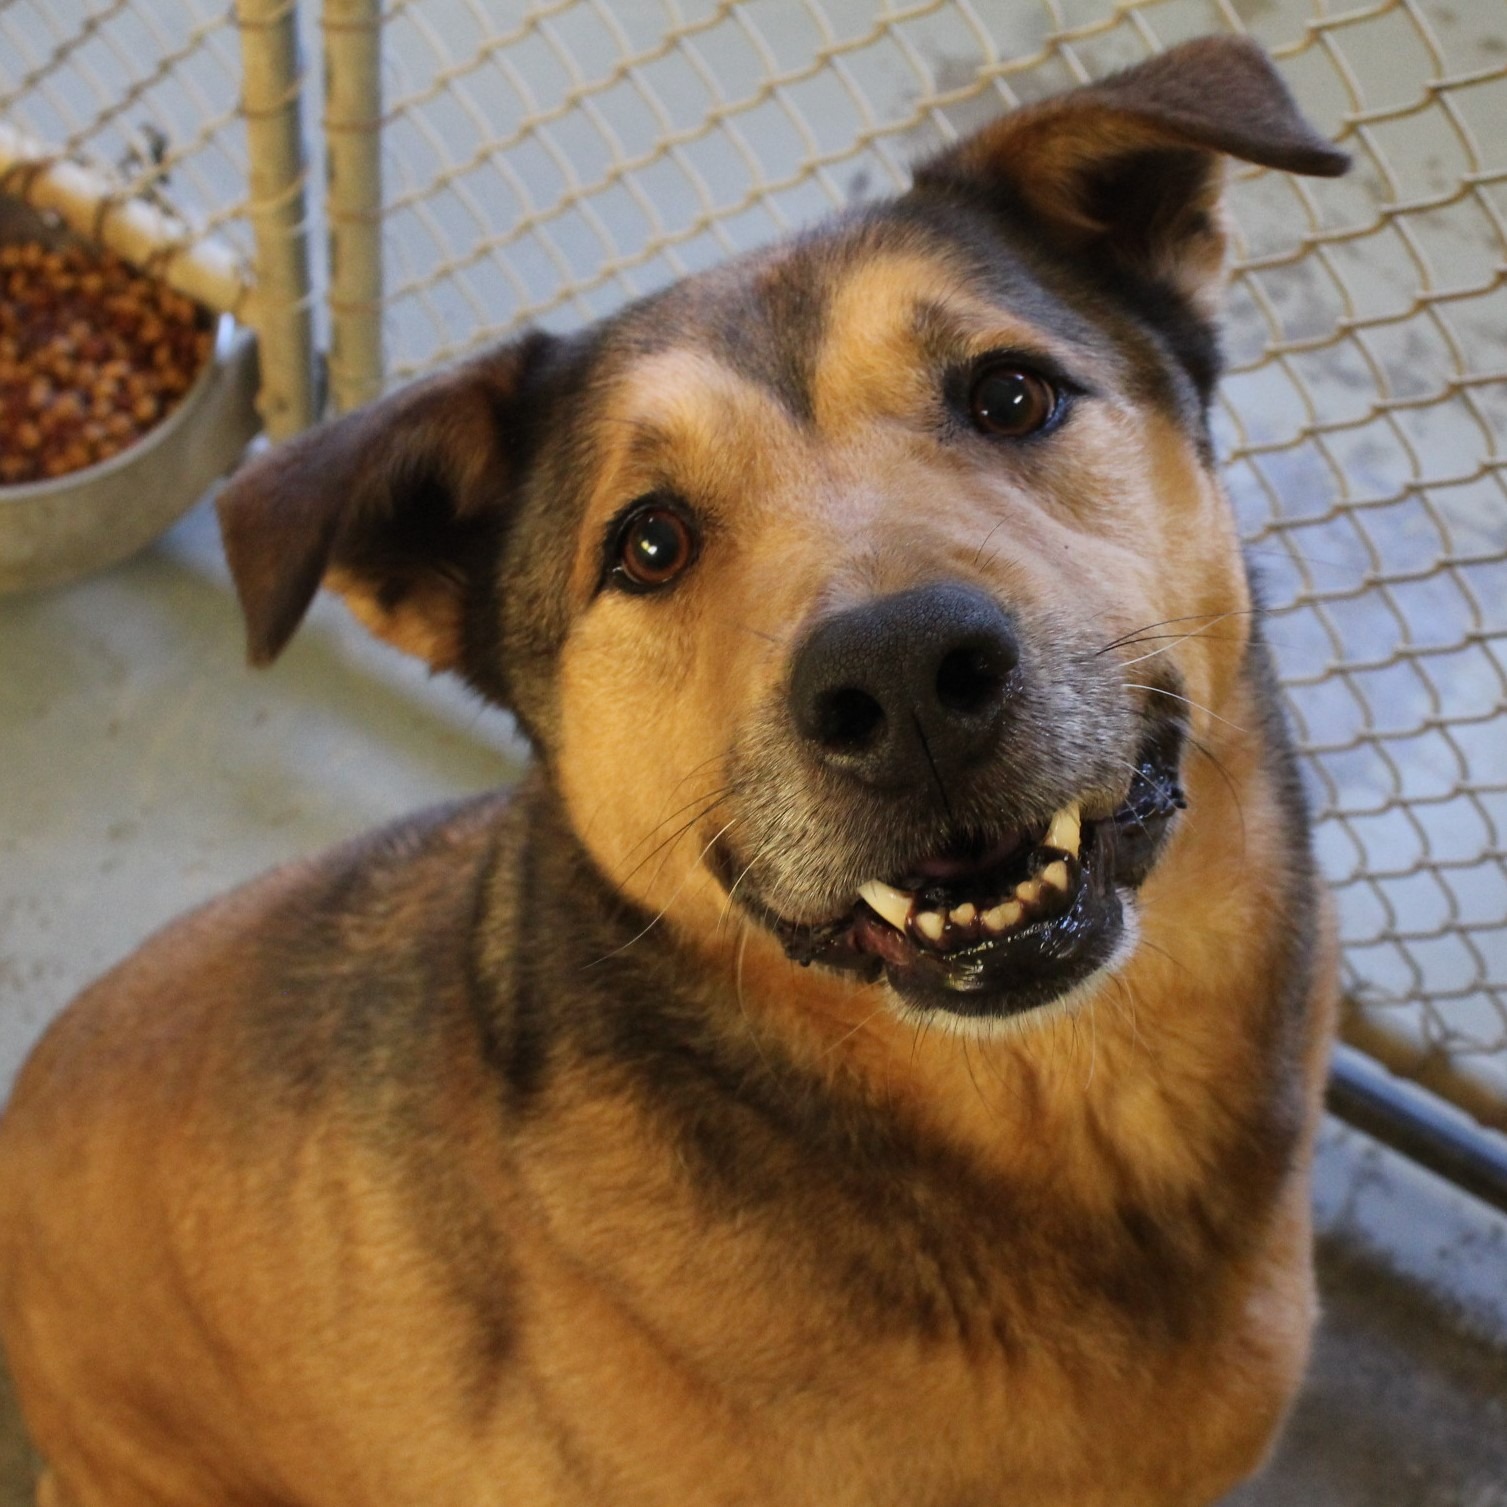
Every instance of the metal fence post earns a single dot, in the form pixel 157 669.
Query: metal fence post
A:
pixel 353 202
pixel 278 211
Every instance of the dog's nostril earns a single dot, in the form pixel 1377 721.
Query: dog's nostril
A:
pixel 969 680
pixel 847 718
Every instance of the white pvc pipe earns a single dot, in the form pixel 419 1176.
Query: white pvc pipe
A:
pixel 95 208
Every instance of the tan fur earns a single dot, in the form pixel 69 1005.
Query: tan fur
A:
pixel 249 1261
pixel 425 624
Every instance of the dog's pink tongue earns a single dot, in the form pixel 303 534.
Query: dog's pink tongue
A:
pixel 946 867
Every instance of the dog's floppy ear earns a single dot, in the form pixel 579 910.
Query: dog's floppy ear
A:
pixel 390 506
pixel 1130 168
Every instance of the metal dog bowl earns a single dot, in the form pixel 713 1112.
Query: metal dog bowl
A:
pixel 57 530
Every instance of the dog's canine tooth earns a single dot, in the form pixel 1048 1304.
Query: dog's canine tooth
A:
pixel 931 924
pixel 894 905
pixel 1003 917
pixel 1066 830
pixel 963 914
pixel 1055 875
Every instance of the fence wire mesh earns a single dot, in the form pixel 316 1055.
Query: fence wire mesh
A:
pixel 550 162
pixel 149 92
pixel 171 112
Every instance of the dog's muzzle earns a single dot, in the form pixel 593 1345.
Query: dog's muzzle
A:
pixel 909 698
pixel 1005 930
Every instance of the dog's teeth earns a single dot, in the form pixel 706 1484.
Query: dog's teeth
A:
pixel 1055 874
pixel 1028 890
pixel 963 914
pixel 1003 917
pixel 1066 830
pixel 931 925
pixel 894 905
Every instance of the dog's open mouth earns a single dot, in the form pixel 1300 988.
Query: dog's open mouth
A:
pixel 998 926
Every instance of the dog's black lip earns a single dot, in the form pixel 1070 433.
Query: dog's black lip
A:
pixel 1040 961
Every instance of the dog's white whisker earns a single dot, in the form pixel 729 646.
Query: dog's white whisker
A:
pixel 660 914
pixel 1198 706
pixel 1181 638
pixel 1172 622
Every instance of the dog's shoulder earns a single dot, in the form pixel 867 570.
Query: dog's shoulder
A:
pixel 325 974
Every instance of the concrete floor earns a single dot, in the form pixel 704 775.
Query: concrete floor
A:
pixel 145 768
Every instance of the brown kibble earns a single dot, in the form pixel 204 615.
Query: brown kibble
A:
pixel 92 355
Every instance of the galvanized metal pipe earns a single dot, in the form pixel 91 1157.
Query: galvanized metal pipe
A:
pixel 353 197
pixel 278 210
pixel 1411 1120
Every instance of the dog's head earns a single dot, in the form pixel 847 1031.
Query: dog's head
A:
pixel 862 584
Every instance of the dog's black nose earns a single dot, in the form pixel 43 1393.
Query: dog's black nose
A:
pixel 907 689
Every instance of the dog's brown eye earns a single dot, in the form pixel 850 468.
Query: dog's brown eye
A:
pixel 655 545
pixel 1010 402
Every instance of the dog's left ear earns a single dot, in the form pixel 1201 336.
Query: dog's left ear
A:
pixel 1131 168
pixel 393 506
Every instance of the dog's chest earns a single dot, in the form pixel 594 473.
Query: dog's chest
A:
pixel 895 1332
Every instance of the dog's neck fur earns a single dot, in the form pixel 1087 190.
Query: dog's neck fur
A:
pixel 1111 1103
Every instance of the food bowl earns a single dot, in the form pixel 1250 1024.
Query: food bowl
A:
pixel 58 530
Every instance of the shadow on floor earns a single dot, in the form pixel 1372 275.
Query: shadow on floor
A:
pixel 1404 1407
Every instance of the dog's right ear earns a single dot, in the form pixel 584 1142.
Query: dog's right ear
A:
pixel 393 506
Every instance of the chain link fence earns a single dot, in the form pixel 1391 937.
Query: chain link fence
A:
pixel 171 132
pixel 495 164
pixel 583 152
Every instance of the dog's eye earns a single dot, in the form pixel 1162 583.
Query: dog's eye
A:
pixel 654 545
pixel 1011 402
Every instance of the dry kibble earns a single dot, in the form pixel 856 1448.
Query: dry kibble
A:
pixel 92 356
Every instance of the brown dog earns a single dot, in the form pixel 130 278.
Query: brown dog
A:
pixel 871 604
